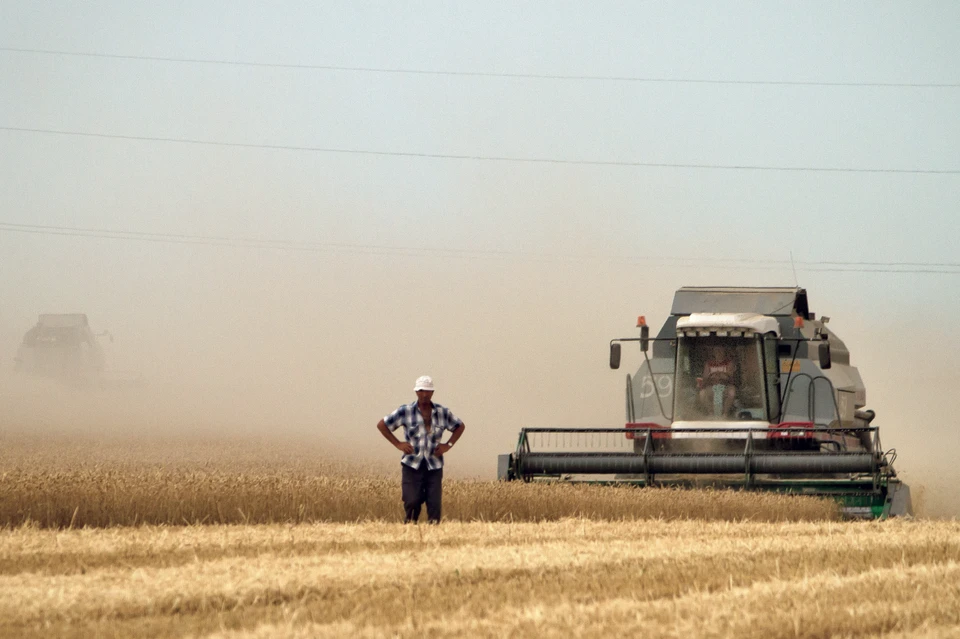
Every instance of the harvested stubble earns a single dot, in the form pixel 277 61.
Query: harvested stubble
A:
pixel 569 578
pixel 74 484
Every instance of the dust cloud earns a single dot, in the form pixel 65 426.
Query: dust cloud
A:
pixel 321 349
pixel 236 342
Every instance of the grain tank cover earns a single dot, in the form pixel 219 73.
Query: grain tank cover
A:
pixel 727 324
pixel 773 301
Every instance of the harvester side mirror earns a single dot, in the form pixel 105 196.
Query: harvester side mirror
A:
pixel 615 356
pixel 823 349
pixel 644 338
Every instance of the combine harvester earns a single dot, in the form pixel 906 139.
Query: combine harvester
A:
pixel 746 389
pixel 62 347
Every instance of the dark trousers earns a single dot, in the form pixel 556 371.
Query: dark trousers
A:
pixel 422 486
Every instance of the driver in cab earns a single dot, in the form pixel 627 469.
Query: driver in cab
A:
pixel 716 388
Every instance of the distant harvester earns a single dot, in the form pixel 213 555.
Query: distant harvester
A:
pixel 63 347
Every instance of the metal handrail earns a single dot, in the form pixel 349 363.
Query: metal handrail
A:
pixel 811 395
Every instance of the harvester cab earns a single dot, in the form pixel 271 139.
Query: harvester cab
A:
pixel 744 388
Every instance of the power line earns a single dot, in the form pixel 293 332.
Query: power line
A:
pixel 483 74
pixel 260 243
pixel 884 270
pixel 481 158
pixel 951 264
pixel 229 241
pixel 942 268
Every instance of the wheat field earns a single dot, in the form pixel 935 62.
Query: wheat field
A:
pixel 76 484
pixel 114 540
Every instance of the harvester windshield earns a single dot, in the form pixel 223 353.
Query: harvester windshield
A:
pixel 723 379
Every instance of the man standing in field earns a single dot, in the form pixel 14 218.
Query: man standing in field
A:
pixel 422 463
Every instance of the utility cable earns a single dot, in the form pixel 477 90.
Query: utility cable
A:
pixel 482 74
pixel 482 158
pixel 375 249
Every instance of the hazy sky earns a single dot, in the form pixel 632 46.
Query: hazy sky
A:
pixel 503 279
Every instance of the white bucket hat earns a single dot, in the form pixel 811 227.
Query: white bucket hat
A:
pixel 424 382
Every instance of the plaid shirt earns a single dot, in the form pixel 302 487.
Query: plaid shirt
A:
pixel 415 431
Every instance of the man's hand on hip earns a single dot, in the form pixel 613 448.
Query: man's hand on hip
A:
pixel 405 447
pixel 442 449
